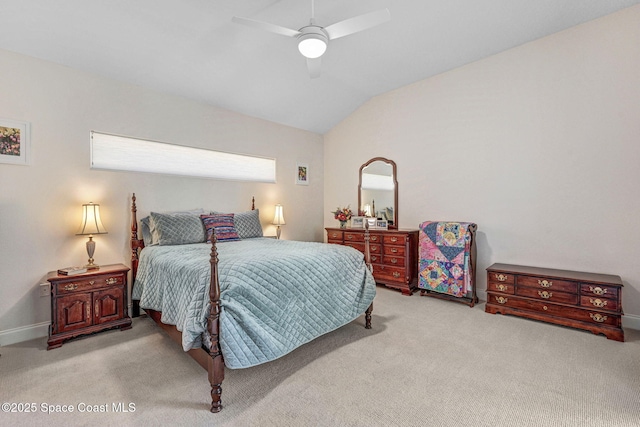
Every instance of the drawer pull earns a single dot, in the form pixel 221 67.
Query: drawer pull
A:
pixel 502 288
pixel 88 311
pixel 394 261
pixel 598 317
pixel 71 287
pixel 501 277
pixel 349 236
pixel 396 274
pixel 501 300
pixel 394 239
pixel 334 235
pixel 374 258
pixel 597 302
pixel 111 281
pixel 597 290
pixel 374 238
pixel 545 308
pixel 545 294
pixel 545 283
pixel 394 250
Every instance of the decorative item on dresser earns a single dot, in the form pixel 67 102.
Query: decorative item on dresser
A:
pixel 88 302
pixel 571 298
pixel 394 254
pixel 448 261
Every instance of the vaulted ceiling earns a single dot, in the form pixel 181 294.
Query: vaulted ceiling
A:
pixel 192 48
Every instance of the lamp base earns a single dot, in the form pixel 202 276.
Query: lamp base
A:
pixel 92 267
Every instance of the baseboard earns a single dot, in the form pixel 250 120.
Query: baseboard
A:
pixel 631 321
pixel 24 333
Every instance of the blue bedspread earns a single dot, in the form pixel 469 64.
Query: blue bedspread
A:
pixel 275 294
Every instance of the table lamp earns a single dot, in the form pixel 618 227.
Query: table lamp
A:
pixel 278 219
pixel 91 224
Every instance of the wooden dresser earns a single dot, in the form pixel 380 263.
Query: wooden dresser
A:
pixel 581 300
pixel 394 254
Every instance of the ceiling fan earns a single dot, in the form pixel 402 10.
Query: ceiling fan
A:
pixel 313 39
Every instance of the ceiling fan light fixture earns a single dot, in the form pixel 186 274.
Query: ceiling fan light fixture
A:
pixel 312 42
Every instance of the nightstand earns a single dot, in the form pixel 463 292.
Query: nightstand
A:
pixel 87 303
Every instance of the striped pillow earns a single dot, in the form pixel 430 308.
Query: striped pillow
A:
pixel 222 224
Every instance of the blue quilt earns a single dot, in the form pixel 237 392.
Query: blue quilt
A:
pixel 276 295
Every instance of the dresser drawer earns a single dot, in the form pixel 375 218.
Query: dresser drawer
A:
pixel 81 285
pixel 501 287
pixel 585 315
pixel 375 238
pixel 548 284
pixel 599 303
pixel 334 235
pixel 500 277
pixel 547 295
pixel 393 261
pixel 599 291
pixel 355 245
pixel 391 274
pixel 394 250
pixel 376 259
pixel 353 237
pixel 395 239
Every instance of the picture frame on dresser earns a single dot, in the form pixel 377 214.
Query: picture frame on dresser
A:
pixel 372 222
pixel 382 224
pixel 357 222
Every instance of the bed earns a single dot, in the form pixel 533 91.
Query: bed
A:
pixel 240 302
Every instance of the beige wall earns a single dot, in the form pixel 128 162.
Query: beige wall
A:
pixel 40 204
pixel 539 145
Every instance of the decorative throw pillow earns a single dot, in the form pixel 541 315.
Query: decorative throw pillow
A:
pixel 223 226
pixel 176 228
pixel 247 224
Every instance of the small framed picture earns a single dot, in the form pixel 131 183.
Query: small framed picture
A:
pixel 382 224
pixel 302 174
pixel 357 222
pixel 14 142
pixel 371 222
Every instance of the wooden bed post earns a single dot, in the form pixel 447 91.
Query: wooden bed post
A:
pixel 215 362
pixel 367 260
pixel 136 245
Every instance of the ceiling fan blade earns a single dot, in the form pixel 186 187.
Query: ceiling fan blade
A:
pixel 313 65
pixel 357 23
pixel 272 28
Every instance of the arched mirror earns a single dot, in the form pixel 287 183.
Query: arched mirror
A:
pixel 378 190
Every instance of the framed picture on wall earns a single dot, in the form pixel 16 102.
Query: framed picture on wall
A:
pixel 14 142
pixel 357 222
pixel 302 174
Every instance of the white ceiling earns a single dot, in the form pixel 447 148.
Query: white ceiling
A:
pixel 191 48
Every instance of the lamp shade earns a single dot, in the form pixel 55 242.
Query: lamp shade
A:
pixel 91 222
pixel 278 218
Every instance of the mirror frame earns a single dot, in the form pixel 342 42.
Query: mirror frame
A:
pixel 395 187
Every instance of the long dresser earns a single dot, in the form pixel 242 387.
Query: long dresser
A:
pixel 581 300
pixel 394 254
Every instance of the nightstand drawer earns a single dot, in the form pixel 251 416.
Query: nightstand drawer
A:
pixel 86 284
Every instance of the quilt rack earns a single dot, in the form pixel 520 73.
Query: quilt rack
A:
pixel 467 255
